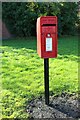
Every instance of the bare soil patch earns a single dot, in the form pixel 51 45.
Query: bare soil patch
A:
pixel 64 106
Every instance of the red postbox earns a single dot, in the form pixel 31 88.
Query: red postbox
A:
pixel 47 36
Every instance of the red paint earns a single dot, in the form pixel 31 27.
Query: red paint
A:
pixel 47 25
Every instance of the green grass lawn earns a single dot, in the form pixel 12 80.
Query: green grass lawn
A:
pixel 23 73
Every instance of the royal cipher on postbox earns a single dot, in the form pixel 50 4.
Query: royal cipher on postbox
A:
pixel 47 36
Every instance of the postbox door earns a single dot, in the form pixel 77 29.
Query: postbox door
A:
pixel 49 43
pixel 49 46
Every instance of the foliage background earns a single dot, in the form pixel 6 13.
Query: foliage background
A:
pixel 21 17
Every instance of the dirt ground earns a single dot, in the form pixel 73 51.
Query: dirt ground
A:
pixel 63 106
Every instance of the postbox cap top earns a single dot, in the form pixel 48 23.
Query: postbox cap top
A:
pixel 48 17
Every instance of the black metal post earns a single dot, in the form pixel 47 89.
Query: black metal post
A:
pixel 46 80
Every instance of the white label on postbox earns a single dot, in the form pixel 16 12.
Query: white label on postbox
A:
pixel 48 44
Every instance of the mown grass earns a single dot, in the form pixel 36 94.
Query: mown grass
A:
pixel 23 73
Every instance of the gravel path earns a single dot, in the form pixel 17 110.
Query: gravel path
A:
pixel 64 106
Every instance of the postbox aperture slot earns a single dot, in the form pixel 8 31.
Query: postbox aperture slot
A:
pixel 49 25
pixel 48 29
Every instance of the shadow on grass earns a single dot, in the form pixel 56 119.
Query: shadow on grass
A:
pixel 66 45
pixel 18 43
